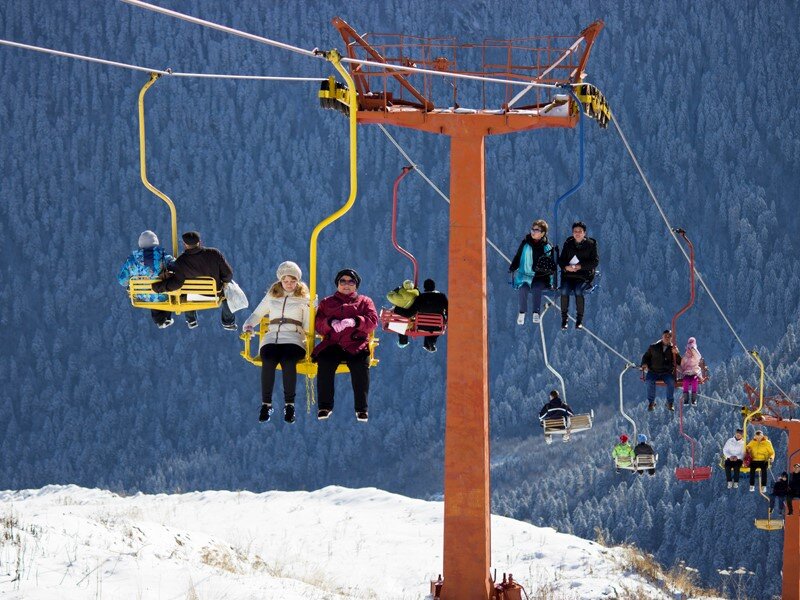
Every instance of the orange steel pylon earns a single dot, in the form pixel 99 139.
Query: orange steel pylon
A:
pixel 791 527
pixel 409 100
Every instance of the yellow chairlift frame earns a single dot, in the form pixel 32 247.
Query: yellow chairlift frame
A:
pixel 334 94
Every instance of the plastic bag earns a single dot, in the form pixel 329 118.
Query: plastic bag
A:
pixel 237 300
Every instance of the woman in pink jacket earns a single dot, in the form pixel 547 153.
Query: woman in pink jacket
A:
pixel 692 370
pixel 345 321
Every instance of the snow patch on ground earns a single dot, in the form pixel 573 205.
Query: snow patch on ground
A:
pixel 70 543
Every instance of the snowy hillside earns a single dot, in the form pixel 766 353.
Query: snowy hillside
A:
pixel 69 542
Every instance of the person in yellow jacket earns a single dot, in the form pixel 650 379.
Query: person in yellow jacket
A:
pixel 761 456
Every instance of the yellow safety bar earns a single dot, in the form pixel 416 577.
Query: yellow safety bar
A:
pixel 143 164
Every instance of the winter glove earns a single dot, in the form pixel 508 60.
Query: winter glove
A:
pixel 339 326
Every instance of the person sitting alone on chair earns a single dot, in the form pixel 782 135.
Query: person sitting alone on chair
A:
pixel 622 453
pixel 643 448
pixel 430 302
pixel 556 408
pixel 403 298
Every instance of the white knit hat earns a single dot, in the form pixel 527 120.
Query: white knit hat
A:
pixel 289 268
pixel 148 239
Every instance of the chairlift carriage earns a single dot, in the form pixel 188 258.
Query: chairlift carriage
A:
pixel 330 98
pixel 195 294
pixel 419 324
pixel 565 426
pixel 693 472
pixel 643 462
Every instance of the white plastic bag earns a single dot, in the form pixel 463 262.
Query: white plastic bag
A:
pixel 237 300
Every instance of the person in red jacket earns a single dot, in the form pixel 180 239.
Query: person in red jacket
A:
pixel 345 321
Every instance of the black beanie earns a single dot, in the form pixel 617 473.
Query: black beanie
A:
pixel 191 238
pixel 351 272
pixel 429 285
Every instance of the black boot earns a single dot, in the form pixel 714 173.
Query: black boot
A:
pixel 288 413
pixel 266 411
pixel 686 398
pixel 580 304
pixel 564 312
pixel 693 398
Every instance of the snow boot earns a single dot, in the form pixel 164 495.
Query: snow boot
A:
pixel 651 406
pixel 671 406
pixel 536 318
pixel 580 304
pixel 521 319
pixel 686 398
pixel 266 412
pixel 288 413
pixel 693 398
pixel 564 322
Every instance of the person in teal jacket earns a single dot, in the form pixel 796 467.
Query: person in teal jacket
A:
pixel 534 269
pixel 150 260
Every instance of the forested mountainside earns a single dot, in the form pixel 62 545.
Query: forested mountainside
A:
pixel 92 394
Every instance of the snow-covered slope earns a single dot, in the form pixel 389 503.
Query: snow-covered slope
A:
pixel 68 542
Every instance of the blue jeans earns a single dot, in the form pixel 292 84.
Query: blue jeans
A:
pixel 536 289
pixel 667 378
pixel 574 287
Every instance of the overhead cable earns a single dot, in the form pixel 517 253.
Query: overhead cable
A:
pixel 314 53
pixel 122 65
pixel 670 228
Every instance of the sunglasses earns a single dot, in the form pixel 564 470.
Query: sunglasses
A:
pixel 344 281
pixel 536 231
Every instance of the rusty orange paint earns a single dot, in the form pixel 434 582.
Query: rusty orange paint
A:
pixel 467 529
pixel 791 528
pixel 448 123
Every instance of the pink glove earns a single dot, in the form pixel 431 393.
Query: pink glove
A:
pixel 339 326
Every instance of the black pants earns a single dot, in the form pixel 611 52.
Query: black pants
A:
pixel 732 467
pixel 160 316
pixel 328 360
pixel 285 355
pixel 580 302
pixel 758 464
pixel 789 501
pixel 430 341
pixel 228 318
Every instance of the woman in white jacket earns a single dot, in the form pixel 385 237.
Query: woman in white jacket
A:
pixel 286 304
pixel 734 457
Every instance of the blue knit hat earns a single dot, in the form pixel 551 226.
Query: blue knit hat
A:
pixel 642 438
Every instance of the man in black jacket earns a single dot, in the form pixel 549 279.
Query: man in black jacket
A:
pixel 430 301
pixel 197 261
pixel 659 363
pixel 556 408
pixel 794 486
pixel 780 491
pixel 578 260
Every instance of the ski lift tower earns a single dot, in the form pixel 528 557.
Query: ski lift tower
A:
pixel 778 412
pixel 467 111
